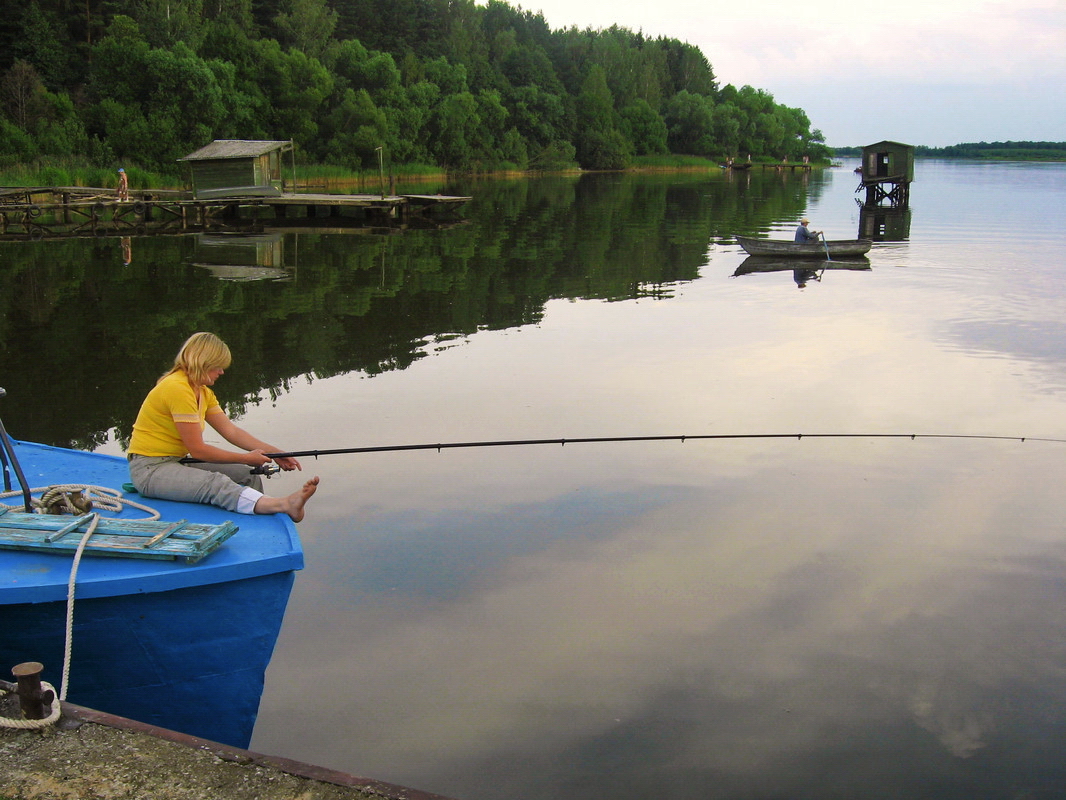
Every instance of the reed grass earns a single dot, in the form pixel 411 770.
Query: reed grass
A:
pixel 68 172
pixel 670 161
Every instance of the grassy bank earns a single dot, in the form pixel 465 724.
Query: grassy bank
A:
pixel 60 172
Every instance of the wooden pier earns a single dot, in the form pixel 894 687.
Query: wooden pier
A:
pixel 790 166
pixel 36 213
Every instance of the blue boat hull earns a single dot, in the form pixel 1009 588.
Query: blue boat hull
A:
pixel 191 660
pixel 182 646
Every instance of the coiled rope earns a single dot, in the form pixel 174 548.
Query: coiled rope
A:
pixel 64 497
pixel 101 497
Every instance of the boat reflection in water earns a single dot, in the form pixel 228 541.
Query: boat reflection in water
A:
pixel 178 643
pixel 804 270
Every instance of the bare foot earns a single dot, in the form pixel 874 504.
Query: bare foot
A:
pixel 295 502
pixel 292 504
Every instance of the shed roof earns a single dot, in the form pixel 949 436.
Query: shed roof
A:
pixel 890 144
pixel 236 148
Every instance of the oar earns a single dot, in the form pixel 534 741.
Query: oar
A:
pixel 825 244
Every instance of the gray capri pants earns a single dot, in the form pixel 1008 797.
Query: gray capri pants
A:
pixel 166 478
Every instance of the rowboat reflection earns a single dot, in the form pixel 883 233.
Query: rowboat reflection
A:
pixel 803 269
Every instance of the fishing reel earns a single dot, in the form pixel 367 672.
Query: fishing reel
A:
pixel 267 469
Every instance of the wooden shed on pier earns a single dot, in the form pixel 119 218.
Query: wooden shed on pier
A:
pixel 237 168
pixel 887 172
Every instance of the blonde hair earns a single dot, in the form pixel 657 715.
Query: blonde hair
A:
pixel 201 353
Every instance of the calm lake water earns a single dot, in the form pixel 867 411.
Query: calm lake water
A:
pixel 741 618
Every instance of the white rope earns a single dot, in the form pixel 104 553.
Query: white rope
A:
pixel 101 498
pixel 34 724
pixel 71 583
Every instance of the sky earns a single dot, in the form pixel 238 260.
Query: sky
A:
pixel 923 72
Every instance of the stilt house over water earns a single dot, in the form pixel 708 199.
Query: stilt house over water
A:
pixel 237 168
pixel 887 172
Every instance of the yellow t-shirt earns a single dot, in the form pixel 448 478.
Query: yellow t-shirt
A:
pixel 171 400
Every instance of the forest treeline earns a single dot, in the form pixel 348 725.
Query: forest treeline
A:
pixel 999 151
pixel 447 83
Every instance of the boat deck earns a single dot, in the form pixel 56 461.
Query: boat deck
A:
pixel 251 545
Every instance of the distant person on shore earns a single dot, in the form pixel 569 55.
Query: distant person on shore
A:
pixel 123 186
pixel 805 234
pixel 170 426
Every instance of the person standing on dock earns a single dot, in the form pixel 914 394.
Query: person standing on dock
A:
pixel 805 234
pixel 170 426
pixel 123 186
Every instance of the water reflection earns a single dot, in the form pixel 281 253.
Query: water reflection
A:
pixel 804 270
pixel 242 257
pixel 360 302
pixel 884 224
pixel 800 619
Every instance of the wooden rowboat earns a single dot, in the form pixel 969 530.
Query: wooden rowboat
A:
pixel 778 247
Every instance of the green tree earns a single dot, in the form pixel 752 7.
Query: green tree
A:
pixel 727 121
pixel 599 143
pixel 22 94
pixel 644 127
pixel 306 25
pixel 355 128
pixel 43 43
pixel 539 116
pixel 15 143
pixel 153 105
pixel 689 69
pixel 164 22
pixel 689 122
pixel 454 129
pixel 293 87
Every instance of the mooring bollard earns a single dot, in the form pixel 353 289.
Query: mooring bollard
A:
pixel 35 703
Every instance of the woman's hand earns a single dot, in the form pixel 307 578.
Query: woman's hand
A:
pixel 287 463
pixel 256 458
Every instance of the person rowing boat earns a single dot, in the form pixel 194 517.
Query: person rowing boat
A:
pixel 805 234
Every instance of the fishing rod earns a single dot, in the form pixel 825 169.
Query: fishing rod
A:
pixel 439 446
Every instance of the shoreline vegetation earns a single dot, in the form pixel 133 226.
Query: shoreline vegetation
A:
pixel 990 151
pixel 463 86
pixel 53 172
pixel 49 172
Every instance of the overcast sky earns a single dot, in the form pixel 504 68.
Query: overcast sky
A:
pixel 924 72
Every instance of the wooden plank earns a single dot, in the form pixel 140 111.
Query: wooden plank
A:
pixel 59 534
pixel 114 537
pixel 181 523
